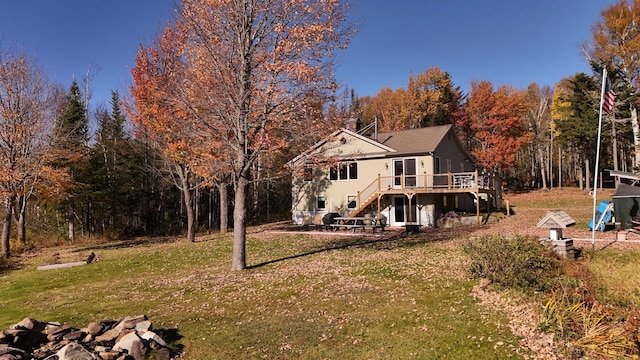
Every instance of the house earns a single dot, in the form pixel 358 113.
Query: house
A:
pixel 408 177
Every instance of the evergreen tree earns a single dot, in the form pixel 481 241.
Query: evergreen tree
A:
pixel 579 130
pixel 116 171
pixel 70 145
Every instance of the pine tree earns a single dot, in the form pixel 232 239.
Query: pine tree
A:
pixel 578 131
pixel 71 148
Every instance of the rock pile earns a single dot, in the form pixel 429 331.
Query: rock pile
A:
pixel 130 338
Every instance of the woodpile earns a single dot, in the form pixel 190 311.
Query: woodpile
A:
pixel 130 338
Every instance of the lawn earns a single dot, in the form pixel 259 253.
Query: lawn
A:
pixel 305 295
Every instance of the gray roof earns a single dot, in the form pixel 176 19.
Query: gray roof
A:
pixel 625 190
pixel 556 219
pixel 414 140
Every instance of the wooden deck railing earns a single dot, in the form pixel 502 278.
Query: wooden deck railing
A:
pixel 454 182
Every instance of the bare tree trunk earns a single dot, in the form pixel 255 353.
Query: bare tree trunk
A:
pixel 188 203
pixel 579 172
pixel 71 223
pixel 587 172
pixel 550 163
pixel 240 222
pixel 543 168
pixel 6 225
pixel 559 166
pixel 22 224
pixel 224 207
pixel 636 135
pixel 19 211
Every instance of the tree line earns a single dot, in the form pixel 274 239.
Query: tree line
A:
pixel 228 92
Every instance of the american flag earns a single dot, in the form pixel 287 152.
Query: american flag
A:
pixel 608 98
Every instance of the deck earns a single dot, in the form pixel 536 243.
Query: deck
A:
pixel 449 183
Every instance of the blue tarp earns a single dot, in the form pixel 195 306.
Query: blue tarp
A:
pixel 603 208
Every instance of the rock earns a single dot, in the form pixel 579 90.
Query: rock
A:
pixel 94 328
pixel 492 220
pixel 469 220
pixel 125 339
pixel 57 333
pixel 151 337
pixel 130 322
pixel 133 345
pixel 74 351
pixel 26 323
pixel 108 355
pixel 73 335
pixel 108 335
pixel 10 353
pixel 143 326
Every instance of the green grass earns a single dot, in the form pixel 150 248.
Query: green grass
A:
pixel 302 298
pixel 617 277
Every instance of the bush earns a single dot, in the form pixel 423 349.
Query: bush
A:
pixel 518 262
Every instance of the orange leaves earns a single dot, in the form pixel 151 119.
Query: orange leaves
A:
pixel 25 122
pixel 496 118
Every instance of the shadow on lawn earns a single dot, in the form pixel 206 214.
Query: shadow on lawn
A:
pixel 171 337
pixel 131 243
pixel 389 242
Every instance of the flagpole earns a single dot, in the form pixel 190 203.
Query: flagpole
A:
pixel 595 180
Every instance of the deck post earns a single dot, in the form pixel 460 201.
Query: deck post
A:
pixel 478 205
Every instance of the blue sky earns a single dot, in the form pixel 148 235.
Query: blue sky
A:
pixel 504 41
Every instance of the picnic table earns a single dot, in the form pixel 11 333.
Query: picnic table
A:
pixel 357 222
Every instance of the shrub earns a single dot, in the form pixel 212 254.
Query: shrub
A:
pixel 518 262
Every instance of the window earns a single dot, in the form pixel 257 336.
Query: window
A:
pixel 436 165
pixel 308 173
pixel 344 171
pixel 448 165
pixel 321 202
pixel 461 167
pixel 353 170
pixel 333 173
pixel 351 201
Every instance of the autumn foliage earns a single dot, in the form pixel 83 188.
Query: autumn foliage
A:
pixel 496 121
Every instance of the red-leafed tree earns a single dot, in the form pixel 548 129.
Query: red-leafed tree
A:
pixel 159 76
pixel 252 64
pixel 496 122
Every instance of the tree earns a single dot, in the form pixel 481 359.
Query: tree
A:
pixel 24 135
pixel 538 118
pixel 391 107
pixel 496 119
pixel 560 111
pixel 159 77
pixel 257 59
pixel 578 130
pixel 70 146
pixel 616 44
pixel 434 98
pixel 114 170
